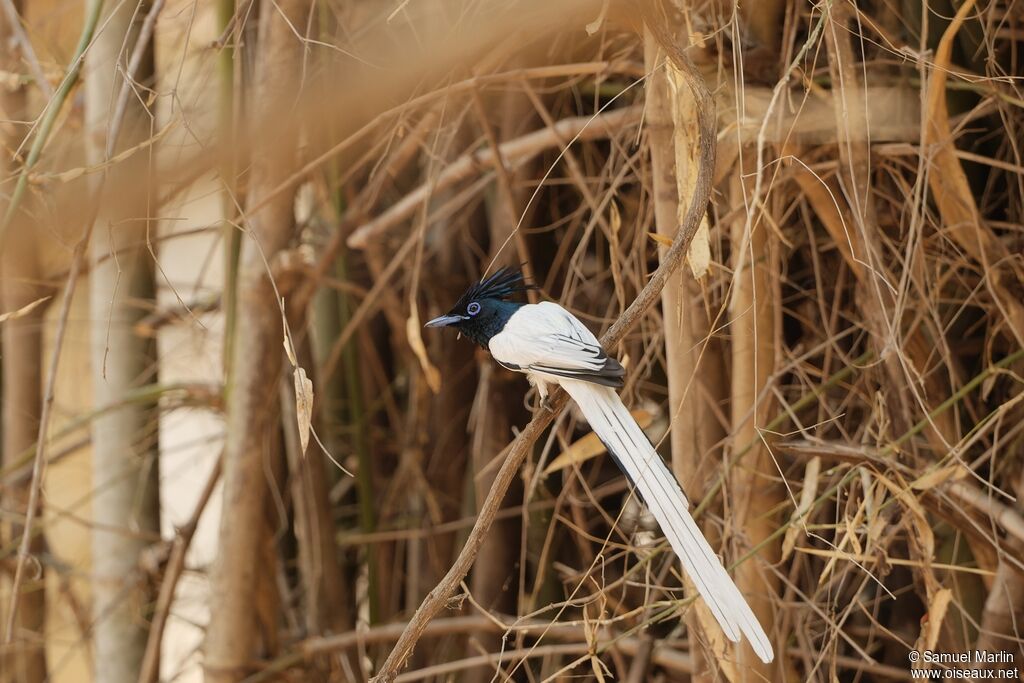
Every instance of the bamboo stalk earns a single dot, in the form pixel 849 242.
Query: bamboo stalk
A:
pixel 693 427
pixel 226 127
pixel 252 407
pixel 124 457
pixel 753 490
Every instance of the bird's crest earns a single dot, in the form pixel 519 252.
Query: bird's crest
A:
pixel 502 284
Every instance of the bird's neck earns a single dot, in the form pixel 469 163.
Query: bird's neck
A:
pixel 490 322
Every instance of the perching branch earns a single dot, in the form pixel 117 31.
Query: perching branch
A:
pixel 517 451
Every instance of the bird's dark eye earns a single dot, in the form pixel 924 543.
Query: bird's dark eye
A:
pixel 473 308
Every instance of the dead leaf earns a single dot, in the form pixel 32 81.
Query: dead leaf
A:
pixel 289 350
pixel 303 406
pixel 921 538
pixel 9 80
pixel 660 239
pixel 76 173
pixel 23 311
pixel 412 333
pixel 931 627
pixel 850 531
pixel 595 26
pixel 807 496
pixel 952 190
pixel 615 219
pixel 684 121
pixel 939 475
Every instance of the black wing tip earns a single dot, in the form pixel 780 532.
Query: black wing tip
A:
pixel 613 381
pixel 608 376
pixel 611 374
pixel 613 368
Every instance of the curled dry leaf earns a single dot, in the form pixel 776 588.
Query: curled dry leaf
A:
pixel 23 311
pixel 412 333
pixel 931 627
pixel 685 132
pixel 850 527
pixel 951 188
pixel 939 475
pixel 660 239
pixel 78 172
pixel 303 406
pixel 595 26
pixel 615 218
pixel 807 495
pixel 921 536
pixel 289 350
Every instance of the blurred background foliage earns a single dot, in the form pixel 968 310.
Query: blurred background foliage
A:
pixel 230 452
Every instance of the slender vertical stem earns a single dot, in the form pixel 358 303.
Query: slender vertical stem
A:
pixel 125 442
pixel 225 127
pixel 252 406
pixel 357 420
pixel 53 108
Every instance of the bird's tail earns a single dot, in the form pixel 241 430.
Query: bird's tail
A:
pixel 636 457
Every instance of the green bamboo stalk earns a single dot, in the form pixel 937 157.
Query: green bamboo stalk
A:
pixel 953 400
pixel 973 384
pixel 225 125
pixel 840 376
pixel 357 421
pixel 779 420
pixel 53 109
pixel 356 412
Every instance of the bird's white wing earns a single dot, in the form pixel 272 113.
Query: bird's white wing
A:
pixel 545 338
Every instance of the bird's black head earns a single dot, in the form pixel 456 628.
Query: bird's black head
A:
pixel 484 309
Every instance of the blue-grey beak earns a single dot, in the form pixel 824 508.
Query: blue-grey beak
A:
pixel 445 321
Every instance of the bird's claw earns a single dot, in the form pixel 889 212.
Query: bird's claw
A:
pixel 547 405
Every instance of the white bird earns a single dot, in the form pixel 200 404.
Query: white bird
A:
pixel 552 347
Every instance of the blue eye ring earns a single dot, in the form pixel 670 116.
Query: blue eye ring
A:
pixel 473 308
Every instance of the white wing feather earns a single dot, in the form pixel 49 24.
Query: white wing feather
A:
pixel 545 335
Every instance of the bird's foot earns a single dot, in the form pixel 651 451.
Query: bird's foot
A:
pixel 546 404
